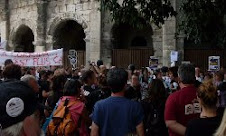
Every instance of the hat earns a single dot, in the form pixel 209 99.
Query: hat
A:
pixel 17 102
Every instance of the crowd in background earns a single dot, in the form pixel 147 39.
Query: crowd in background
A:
pixel 165 101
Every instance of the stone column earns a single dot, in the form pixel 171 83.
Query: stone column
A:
pixel 106 44
pixel 93 47
pixel 5 22
pixel 169 40
pixel 40 44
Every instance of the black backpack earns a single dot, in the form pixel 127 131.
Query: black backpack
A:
pixel 154 124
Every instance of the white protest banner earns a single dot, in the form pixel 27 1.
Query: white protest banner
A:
pixel 48 58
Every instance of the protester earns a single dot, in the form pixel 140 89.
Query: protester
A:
pixel 182 105
pixel 77 110
pixel 144 78
pixel 208 122
pixel 12 72
pixel 207 76
pixel 116 115
pixel 198 74
pixel 133 91
pixel 218 78
pixel 44 83
pixel 174 86
pixel 154 106
pixel 131 68
pixel 89 79
pixel 98 94
pixel 57 86
pixel 31 81
pixel 18 110
pixel 165 77
pixel 8 62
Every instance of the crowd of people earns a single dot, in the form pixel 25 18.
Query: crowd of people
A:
pixel 95 100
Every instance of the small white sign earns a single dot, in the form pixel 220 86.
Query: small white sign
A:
pixel 174 56
pixel 214 63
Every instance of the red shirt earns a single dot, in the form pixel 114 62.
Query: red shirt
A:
pixel 182 106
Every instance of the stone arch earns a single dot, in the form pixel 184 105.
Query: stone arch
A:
pixel 23 39
pixel 64 17
pixel 14 30
pixel 125 36
pixel 69 35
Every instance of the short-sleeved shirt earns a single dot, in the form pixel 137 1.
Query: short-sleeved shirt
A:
pixel 182 106
pixel 117 116
pixel 203 126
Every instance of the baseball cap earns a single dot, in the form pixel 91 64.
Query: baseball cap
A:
pixel 17 102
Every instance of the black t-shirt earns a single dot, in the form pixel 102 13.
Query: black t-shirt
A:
pixel 133 93
pixel 95 96
pixel 44 86
pixel 203 126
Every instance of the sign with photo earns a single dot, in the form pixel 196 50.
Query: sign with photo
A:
pixel 72 56
pixel 153 62
pixel 214 63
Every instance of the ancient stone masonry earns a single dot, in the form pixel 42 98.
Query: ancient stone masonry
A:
pixel 39 25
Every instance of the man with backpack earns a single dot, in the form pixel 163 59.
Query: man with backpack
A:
pixel 116 115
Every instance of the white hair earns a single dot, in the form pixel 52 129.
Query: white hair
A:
pixel 14 130
pixel 27 78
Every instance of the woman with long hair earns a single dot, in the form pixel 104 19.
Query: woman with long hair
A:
pixel 57 86
pixel 154 106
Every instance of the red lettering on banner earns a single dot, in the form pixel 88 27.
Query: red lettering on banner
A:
pixel 57 60
pixel 35 61
pixel 47 61
pixel 16 62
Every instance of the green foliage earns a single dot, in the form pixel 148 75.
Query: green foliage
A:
pixel 203 22
pixel 139 12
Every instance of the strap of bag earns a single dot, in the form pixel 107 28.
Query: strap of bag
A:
pixel 45 125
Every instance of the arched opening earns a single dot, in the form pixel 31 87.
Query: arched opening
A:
pixel 70 35
pixel 23 40
pixel 126 36
pixel 131 45
pixel 139 41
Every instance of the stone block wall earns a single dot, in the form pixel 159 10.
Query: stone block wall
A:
pixel 22 12
pixel 85 13
pixel 43 17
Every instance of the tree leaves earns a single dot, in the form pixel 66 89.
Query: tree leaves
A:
pixel 139 12
pixel 203 22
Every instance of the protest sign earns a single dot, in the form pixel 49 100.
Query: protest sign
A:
pixel 153 62
pixel 48 58
pixel 214 63
pixel 174 56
